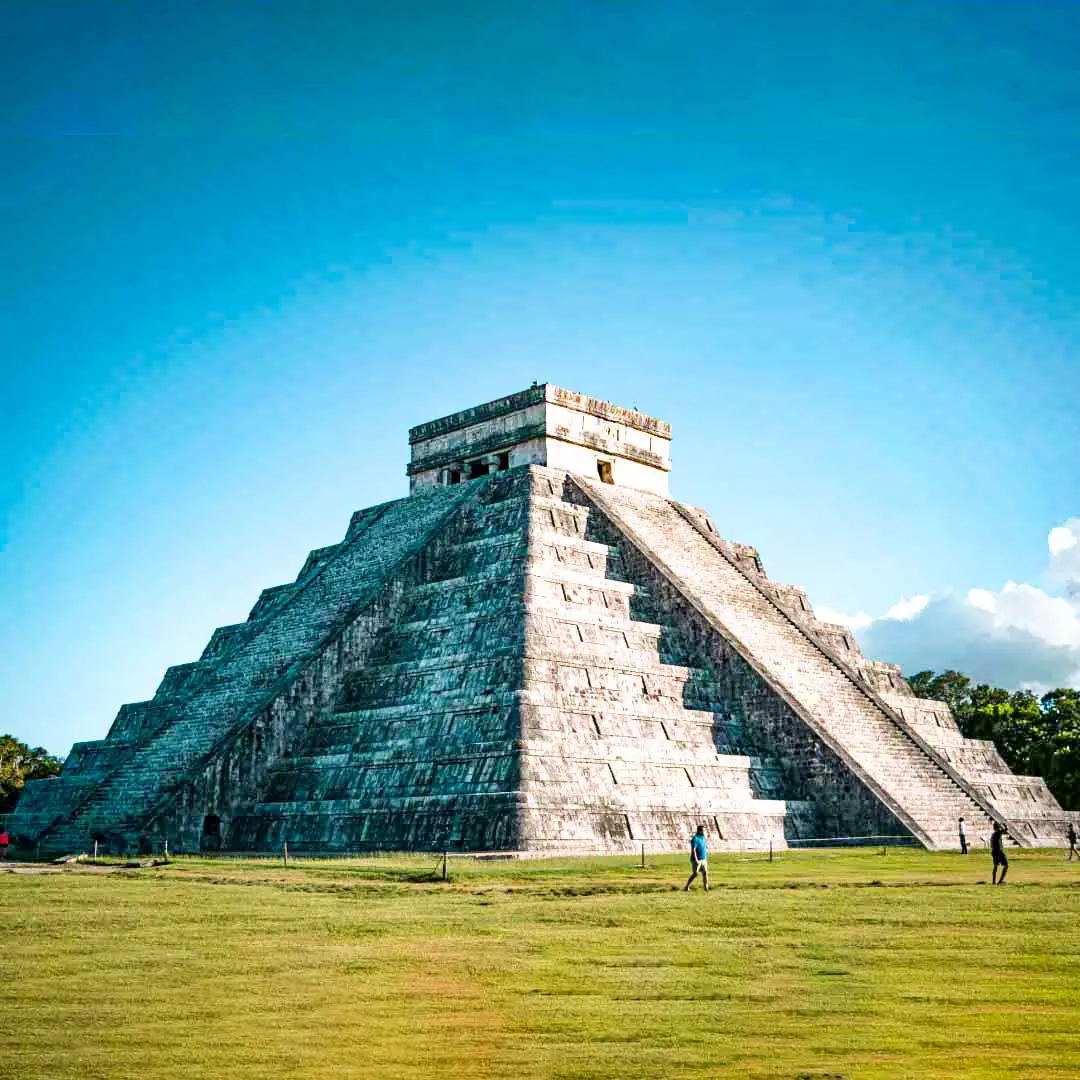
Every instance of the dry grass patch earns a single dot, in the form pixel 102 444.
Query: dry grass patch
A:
pixel 846 964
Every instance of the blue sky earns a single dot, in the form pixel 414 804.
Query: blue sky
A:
pixel 248 245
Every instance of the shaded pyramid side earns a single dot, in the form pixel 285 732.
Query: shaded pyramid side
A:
pixel 215 726
pixel 419 750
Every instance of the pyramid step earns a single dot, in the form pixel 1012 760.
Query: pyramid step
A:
pixel 492 576
pixel 568 575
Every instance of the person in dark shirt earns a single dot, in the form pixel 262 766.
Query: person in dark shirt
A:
pixel 997 852
pixel 699 856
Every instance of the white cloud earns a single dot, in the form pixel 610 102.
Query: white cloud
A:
pixel 1023 607
pixel 905 609
pixel 1018 635
pixel 983 599
pixel 831 615
pixel 1064 545
pixel 902 610
pixel 1061 539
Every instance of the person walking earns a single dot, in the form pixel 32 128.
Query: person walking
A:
pixel 699 856
pixel 963 838
pixel 1071 837
pixel 5 839
pixel 997 852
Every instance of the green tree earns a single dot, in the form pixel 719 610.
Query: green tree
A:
pixel 1035 736
pixel 19 763
pixel 949 686
pixel 1061 750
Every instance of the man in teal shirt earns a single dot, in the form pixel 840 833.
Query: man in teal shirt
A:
pixel 698 859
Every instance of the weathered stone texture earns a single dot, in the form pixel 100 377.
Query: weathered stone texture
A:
pixel 205 707
pixel 545 425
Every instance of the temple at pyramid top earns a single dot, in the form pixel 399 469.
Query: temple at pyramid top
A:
pixel 544 425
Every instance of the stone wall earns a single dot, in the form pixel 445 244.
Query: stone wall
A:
pixel 420 748
pixel 545 425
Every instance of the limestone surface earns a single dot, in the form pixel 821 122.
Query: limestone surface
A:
pixel 527 657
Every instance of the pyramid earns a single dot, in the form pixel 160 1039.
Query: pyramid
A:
pixel 536 651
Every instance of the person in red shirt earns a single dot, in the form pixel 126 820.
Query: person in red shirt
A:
pixel 4 841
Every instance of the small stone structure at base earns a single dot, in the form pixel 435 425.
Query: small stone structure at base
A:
pixel 537 651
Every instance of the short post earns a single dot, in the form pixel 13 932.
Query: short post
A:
pixel 166 849
pixel 95 850
pixel 770 849
pixel 285 851
pixel 642 856
pixel 445 854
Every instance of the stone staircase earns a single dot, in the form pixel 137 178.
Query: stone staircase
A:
pixel 624 741
pixel 460 733
pixel 919 788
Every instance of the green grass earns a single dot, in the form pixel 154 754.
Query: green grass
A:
pixel 820 964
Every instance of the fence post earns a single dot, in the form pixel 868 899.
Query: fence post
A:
pixel 166 849
pixel 285 851
pixel 444 857
pixel 642 856
pixel 95 851
pixel 770 849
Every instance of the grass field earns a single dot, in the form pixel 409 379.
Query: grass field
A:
pixel 820 964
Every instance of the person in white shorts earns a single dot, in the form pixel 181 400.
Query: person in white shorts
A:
pixel 699 856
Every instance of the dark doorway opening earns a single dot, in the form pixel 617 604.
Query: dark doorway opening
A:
pixel 211 833
pixel 477 469
pixel 603 469
pixel 504 461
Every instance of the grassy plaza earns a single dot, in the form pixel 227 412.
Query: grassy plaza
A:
pixel 825 964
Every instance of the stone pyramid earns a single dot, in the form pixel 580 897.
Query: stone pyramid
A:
pixel 537 651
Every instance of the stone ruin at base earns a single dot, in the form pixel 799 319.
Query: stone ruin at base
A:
pixel 539 651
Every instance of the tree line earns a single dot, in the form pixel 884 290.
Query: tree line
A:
pixel 19 763
pixel 1037 736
